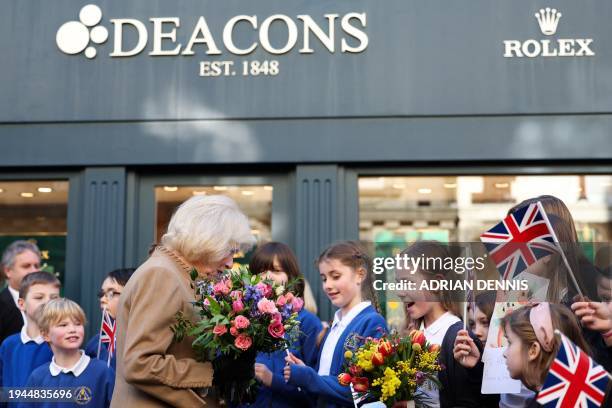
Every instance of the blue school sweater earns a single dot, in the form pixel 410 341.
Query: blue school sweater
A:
pixel 97 377
pixel 280 394
pixel 18 360
pixel 91 349
pixel 326 388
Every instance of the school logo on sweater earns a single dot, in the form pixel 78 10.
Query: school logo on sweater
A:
pixel 82 395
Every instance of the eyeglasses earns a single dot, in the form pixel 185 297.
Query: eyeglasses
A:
pixel 110 294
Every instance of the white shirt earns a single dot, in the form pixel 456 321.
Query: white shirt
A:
pixel 76 369
pixel 434 334
pixel 338 326
pixel 15 294
pixel 436 331
pixel 25 338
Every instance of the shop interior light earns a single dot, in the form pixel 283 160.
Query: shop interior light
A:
pixel 424 190
pixel 450 185
pixel 268 188
pixel 27 195
pixel 45 189
pixel 220 188
pixel 199 192
pixel 1 190
pixel 399 186
pixel 170 189
pixel 247 192
pixel 502 185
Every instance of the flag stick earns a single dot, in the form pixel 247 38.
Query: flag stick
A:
pixel 99 333
pixel 554 235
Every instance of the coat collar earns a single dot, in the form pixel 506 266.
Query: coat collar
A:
pixel 178 259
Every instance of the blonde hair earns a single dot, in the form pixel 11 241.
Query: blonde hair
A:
pixel 520 324
pixel 57 310
pixel 204 228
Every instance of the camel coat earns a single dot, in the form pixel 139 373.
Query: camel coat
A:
pixel 152 369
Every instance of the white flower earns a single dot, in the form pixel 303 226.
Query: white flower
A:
pixel 280 290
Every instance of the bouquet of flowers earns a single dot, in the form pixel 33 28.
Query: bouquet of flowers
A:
pixel 240 315
pixel 390 368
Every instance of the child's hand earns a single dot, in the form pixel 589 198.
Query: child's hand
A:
pixel 465 352
pixel 594 315
pixel 291 359
pixel 263 374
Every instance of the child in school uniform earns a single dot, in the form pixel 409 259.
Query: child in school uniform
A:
pixel 62 326
pixel 21 353
pixel 276 261
pixel 345 271
pixel 532 345
pixel 436 313
pixel 109 299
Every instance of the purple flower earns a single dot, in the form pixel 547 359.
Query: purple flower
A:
pixel 420 377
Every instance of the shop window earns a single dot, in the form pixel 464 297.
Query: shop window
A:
pixel 254 201
pixel 395 211
pixel 36 211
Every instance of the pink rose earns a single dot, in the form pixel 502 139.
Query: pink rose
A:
pixel 243 342
pixel 237 306
pixel 277 317
pixel 276 329
pixel 220 330
pixel 297 304
pixel 281 301
pixel 241 322
pixel 289 296
pixel 206 302
pixel 233 331
pixel 266 306
pixel 236 295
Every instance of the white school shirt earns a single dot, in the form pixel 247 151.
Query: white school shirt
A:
pixel 339 324
pixel 434 334
pixel 76 369
pixel 25 338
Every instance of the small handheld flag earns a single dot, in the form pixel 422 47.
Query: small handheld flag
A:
pixel 574 379
pixel 519 240
pixel 107 334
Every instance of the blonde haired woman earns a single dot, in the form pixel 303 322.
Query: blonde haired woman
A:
pixel 152 370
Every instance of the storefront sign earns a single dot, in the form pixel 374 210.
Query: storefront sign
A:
pixel 75 37
pixel 548 20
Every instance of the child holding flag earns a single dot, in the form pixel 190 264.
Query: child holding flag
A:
pixel 101 346
pixel 548 363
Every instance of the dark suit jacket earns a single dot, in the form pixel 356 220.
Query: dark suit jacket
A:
pixel 11 320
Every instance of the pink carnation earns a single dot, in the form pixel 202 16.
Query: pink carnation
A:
pixel 264 289
pixel 289 296
pixel 237 306
pixel 223 287
pixel 241 322
pixel 220 330
pixel 243 342
pixel 266 306
pixel 206 302
pixel 233 331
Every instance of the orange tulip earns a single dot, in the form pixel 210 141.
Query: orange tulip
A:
pixel 433 348
pixel 377 359
pixel 344 378
pixel 385 348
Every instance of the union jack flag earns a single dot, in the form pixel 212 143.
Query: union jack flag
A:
pixel 108 331
pixel 574 380
pixel 519 240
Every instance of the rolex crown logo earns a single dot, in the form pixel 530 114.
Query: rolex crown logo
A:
pixel 548 19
